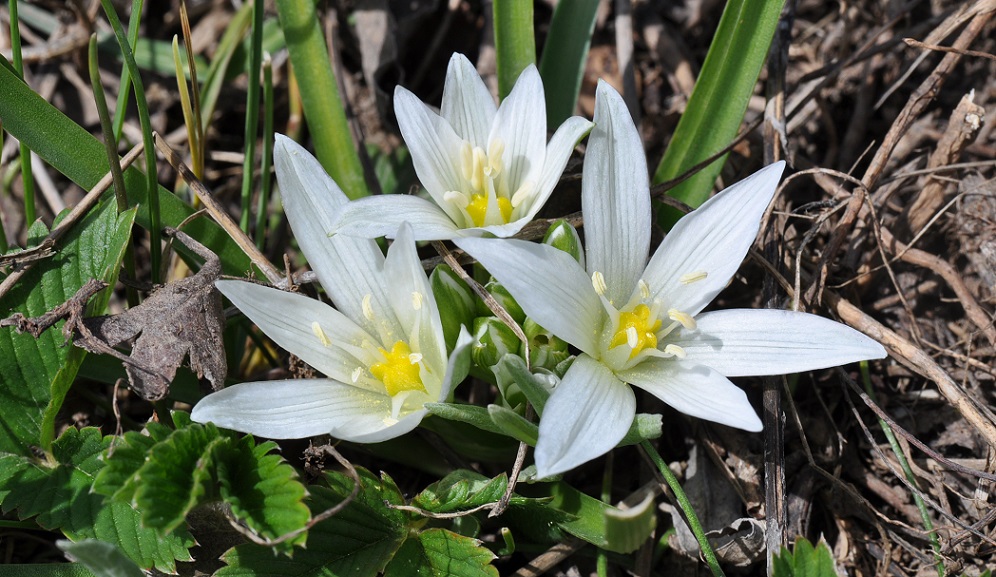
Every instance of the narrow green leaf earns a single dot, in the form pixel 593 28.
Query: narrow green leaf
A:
pixel 81 158
pixel 805 560
pixel 515 42
pixel 716 107
pixel 512 369
pixel 359 541
pixel 103 559
pixel 600 524
pixel 564 55
pixel 60 497
pixel 442 553
pixel 36 373
pixel 218 70
pixel 514 425
pixel 471 414
pixel 323 107
pixel 461 490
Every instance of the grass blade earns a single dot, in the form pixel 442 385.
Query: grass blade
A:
pixel 27 177
pixel 718 102
pixel 515 42
pixel 323 106
pixel 252 112
pixel 564 54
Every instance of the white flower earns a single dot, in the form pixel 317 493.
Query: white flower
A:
pixel 382 350
pixel 486 169
pixel 639 323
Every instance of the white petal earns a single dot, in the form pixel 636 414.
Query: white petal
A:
pixel 467 104
pixel 458 364
pixel 586 416
pixel 434 146
pixel 349 268
pixel 521 126
pixel 414 305
pixel 713 239
pixel 558 152
pixel 288 318
pixel 302 408
pixel 375 216
pixel 695 390
pixel 773 342
pixel 547 283
pixel 615 198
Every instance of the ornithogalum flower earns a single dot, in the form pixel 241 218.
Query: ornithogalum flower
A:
pixel 639 322
pixel 487 169
pixel 382 350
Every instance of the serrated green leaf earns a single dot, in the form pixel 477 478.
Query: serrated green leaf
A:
pixel 177 476
pixel 441 553
pixel 263 491
pixel 805 560
pixel 47 570
pixel 102 559
pixel 358 541
pixel 60 497
pixel 123 460
pixel 460 490
pixel 35 374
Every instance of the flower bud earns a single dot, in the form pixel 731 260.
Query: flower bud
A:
pixel 492 341
pixel 545 349
pixel 455 300
pixel 565 237
pixel 504 298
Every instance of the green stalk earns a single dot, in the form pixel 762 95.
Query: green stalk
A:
pixel 125 91
pixel 686 508
pixel 515 42
pixel 323 106
pixel 601 557
pixel 27 176
pixel 252 111
pixel 928 525
pixel 155 228
pixel 267 184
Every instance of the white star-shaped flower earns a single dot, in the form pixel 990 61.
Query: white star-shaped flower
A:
pixel 640 322
pixel 382 350
pixel 487 169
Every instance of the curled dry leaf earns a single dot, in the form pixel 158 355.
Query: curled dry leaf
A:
pixel 182 318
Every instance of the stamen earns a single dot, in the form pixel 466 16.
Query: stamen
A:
pixel 415 358
pixel 644 289
pixel 676 351
pixel 480 160
pixel 495 151
pixel 417 300
pixel 318 332
pixel 367 306
pixel 693 277
pixel 685 319
pixel 456 198
pixel 355 376
pixel 632 337
pixel 598 282
pixel 525 191
pixel 467 160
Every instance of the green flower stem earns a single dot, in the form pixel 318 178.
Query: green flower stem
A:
pixel 935 543
pixel 152 183
pixel 686 508
pixel 323 106
pixel 252 111
pixel 27 176
pixel 515 42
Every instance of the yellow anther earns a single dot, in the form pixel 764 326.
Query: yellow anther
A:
pixel 417 299
pixel 637 329
pixel 675 350
pixel 398 372
pixel 684 319
pixel 317 330
pixel 598 282
pixel 693 277
pixel 367 306
pixel 478 209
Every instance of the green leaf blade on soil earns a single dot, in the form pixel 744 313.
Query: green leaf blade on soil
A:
pixel 564 55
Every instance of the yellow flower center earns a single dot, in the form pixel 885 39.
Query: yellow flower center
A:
pixel 478 208
pixel 400 370
pixel 636 329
